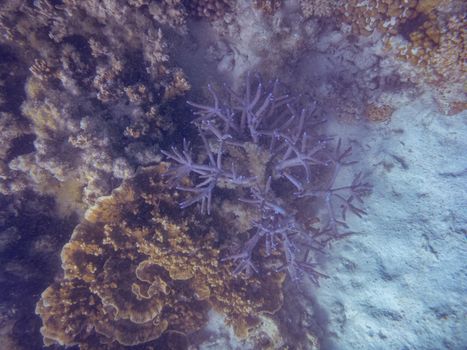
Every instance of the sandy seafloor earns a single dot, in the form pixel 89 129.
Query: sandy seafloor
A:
pixel 399 282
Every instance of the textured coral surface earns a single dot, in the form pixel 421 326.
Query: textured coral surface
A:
pixel 137 268
pixel 428 34
pixel 96 76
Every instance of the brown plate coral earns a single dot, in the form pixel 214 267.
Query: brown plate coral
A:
pixel 138 267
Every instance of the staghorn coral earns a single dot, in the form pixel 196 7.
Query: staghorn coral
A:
pixel 342 71
pixel 266 148
pixel 137 268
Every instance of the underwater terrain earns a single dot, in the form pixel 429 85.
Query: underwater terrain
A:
pixel 233 174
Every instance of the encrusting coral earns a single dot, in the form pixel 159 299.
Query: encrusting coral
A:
pixel 437 48
pixel 428 34
pixel 385 16
pixel 318 8
pixel 137 268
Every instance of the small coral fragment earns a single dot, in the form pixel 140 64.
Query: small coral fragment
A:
pixel 378 113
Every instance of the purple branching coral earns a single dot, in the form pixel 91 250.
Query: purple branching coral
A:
pixel 271 153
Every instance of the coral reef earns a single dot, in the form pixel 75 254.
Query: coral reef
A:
pixel 429 35
pixel 264 146
pixel 138 268
pixel 210 9
pixel 244 38
pixel 437 48
pixel 169 12
pixel 92 97
pixel 97 77
pixel 386 16
pixel 84 94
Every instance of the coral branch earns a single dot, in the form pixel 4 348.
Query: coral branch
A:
pixel 267 140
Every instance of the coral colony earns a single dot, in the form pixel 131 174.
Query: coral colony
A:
pixel 262 145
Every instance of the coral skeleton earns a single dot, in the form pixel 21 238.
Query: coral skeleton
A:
pixel 256 143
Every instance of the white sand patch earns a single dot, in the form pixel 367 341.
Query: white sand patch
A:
pixel 401 283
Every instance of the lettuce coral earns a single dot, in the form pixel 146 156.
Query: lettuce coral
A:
pixel 137 268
